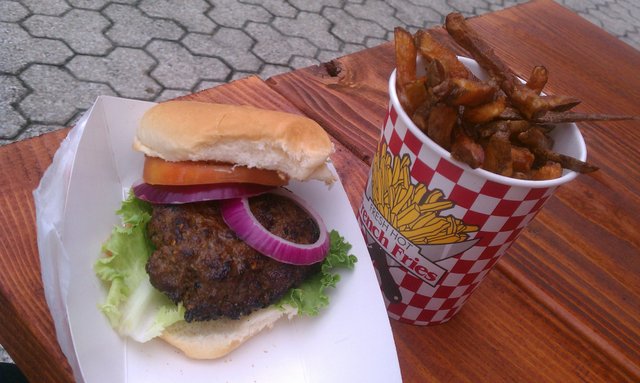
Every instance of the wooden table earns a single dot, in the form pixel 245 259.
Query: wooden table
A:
pixel 562 305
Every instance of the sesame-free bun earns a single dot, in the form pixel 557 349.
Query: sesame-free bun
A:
pixel 216 338
pixel 241 135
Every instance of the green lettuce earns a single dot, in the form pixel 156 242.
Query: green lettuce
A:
pixel 137 310
pixel 134 308
pixel 311 295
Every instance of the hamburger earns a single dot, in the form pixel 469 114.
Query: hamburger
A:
pixel 214 249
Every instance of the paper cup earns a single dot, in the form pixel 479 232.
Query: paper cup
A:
pixel 434 226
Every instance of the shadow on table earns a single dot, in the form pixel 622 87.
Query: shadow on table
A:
pixel 9 373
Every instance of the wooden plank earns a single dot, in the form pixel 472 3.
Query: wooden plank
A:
pixel 31 343
pixel 580 254
pixel 501 335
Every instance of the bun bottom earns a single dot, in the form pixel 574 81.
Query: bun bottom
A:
pixel 217 338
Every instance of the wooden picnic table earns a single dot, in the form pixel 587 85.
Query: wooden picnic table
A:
pixel 562 305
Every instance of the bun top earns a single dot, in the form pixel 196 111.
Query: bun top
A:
pixel 242 135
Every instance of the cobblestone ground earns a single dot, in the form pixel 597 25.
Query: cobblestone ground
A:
pixel 57 56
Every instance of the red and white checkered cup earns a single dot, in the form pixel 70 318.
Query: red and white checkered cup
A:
pixel 426 281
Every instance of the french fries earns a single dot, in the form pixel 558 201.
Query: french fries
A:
pixel 410 208
pixel 502 124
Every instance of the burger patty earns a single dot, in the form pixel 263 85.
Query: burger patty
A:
pixel 199 261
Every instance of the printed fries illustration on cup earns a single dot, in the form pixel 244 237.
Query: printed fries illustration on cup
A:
pixel 412 209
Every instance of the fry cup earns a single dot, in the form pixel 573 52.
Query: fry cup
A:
pixel 434 226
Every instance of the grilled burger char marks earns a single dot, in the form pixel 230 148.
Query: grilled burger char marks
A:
pixel 199 261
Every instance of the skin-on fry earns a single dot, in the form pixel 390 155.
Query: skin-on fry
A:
pixel 538 79
pixel 522 159
pixel 497 155
pixel 466 150
pixel 501 125
pixel 431 49
pixel 442 119
pixel 565 161
pixel 470 92
pixel 526 100
pixel 548 171
pixel 485 112
pixel 560 117
pixel 406 69
pixel 535 138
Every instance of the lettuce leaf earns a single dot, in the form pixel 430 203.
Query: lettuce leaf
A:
pixel 310 297
pixel 134 308
pixel 137 310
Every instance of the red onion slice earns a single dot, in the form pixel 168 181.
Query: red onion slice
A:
pixel 164 194
pixel 238 216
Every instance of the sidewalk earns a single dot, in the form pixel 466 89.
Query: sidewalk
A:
pixel 57 55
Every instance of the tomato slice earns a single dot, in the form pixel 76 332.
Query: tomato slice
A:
pixel 160 172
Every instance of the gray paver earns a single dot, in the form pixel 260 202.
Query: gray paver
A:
pixel 57 95
pixel 178 68
pixel 12 11
pixel 13 121
pixel 20 49
pixel 231 13
pixel 193 18
pixel 231 45
pixel 311 26
pixel 133 28
pixel 49 7
pixel 273 47
pixel 80 29
pixel 351 30
pixel 124 69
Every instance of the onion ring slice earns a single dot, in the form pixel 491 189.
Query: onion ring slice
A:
pixel 172 194
pixel 238 216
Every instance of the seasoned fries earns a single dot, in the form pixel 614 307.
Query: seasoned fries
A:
pixel 501 125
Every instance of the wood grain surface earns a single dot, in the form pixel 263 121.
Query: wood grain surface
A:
pixel 562 305
pixel 579 257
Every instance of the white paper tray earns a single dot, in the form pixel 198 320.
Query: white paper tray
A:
pixel 350 341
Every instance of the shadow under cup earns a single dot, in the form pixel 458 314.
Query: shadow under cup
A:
pixel 435 227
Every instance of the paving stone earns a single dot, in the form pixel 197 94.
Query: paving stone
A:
pixel 57 95
pixel 80 29
pixel 377 11
pixel 298 62
pixel 96 4
pixel 272 46
pixel 19 49
pixel 4 357
pixel 12 120
pixel 12 11
pixel 415 16
pixel 271 70
pixel 275 7
pixel 125 69
pixel 231 13
pixel 179 69
pixel 49 7
pixel 192 18
pixel 134 29
pixel 87 46
pixel 469 7
pixel 169 94
pixel 310 26
pixel 316 5
pixel 231 45
pixel 349 29
pixel 206 84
